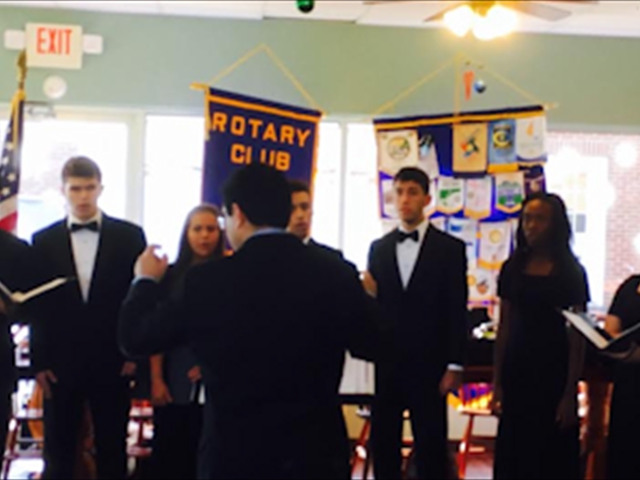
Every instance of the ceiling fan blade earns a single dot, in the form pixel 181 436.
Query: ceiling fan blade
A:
pixel 440 15
pixel 546 12
pixel 382 2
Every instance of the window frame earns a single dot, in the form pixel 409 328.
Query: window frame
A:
pixel 134 162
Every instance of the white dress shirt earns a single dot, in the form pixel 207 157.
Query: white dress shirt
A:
pixel 407 255
pixel 407 252
pixel 84 244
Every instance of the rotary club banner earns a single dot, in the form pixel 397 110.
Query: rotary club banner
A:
pixel 450 195
pixel 509 192
pixel 483 285
pixel 397 150
pixel 470 148
pixel 531 136
pixel 467 231
pixel 428 155
pixel 495 244
pixel 241 130
pixel 502 148
pixel 478 196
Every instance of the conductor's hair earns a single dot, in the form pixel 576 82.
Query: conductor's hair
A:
pixel 262 193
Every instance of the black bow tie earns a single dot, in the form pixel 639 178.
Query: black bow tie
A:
pixel 402 236
pixel 93 226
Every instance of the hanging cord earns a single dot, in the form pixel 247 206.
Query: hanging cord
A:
pixel 275 59
pixel 430 76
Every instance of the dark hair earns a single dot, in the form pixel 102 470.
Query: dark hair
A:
pixel 297 186
pixel 559 236
pixel 185 253
pixel 81 167
pixel 262 193
pixel 413 174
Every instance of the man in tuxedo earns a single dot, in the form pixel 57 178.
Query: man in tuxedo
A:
pixel 301 215
pixel 75 352
pixel 269 326
pixel 418 275
pixel 19 271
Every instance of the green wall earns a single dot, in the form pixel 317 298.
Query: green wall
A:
pixel 150 61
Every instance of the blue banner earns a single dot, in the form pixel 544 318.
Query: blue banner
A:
pixel 241 130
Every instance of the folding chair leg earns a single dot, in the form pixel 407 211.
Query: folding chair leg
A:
pixel 10 447
pixel 465 446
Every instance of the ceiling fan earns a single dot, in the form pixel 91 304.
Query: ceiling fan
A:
pixel 533 8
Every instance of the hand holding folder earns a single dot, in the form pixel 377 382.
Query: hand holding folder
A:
pixel 623 347
pixel 9 297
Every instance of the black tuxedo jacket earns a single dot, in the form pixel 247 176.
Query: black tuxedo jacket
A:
pixel 80 338
pixel 426 323
pixel 269 327
pixel 332 251
pixel 19 271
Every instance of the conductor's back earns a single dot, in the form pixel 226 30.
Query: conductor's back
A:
pixel 270 326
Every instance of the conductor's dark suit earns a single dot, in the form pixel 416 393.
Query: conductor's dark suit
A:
pixel 269 327
pixel 326 249
pixel 79 344
pixel 425 331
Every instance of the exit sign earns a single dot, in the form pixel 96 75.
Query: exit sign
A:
pixel 54 46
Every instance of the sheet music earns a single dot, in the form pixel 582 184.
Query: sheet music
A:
pixel 21 297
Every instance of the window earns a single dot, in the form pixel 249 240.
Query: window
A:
pixel 173 177
pixel 327 188
pixel 581 180
pixel 596 176
pixel 360 201
pixel 48 143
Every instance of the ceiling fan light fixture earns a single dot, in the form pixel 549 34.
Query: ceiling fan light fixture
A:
pixel 483 28
pixel 503 20
pixel 460 20
pixel 497 21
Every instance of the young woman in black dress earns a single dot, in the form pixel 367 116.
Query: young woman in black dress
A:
pixel 175 375
pixel 538 358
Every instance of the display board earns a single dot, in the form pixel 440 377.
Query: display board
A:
pixel 481 166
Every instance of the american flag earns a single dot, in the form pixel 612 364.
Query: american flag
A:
pixel 10 165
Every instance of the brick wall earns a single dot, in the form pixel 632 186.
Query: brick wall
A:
pixel 623 216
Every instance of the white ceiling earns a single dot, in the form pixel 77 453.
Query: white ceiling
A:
pixel 604 18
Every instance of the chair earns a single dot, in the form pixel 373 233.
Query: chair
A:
pixel 474 402
pixel 15 440
pixel 362 453
pixel 140 419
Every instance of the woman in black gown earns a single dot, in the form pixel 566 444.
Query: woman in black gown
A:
pixel 624 424
pixel 538 358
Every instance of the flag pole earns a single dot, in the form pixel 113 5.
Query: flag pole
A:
pixel 10 153
pixel 21 63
